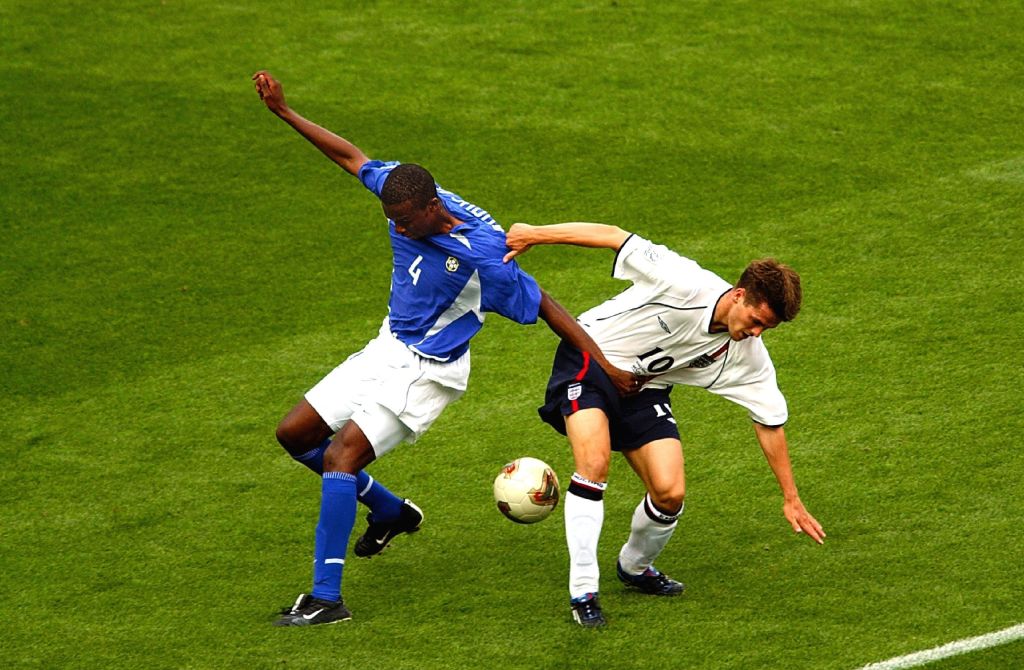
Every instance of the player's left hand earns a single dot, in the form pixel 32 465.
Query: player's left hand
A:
pixel 518 239
pixel 802 521
pixel 270 91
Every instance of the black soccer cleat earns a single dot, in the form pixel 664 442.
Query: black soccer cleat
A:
pixel 379 533
pixel 650 581
pixel 310 611
pixel 586 611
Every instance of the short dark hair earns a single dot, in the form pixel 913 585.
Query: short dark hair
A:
pixel 408 181
pixel 768 281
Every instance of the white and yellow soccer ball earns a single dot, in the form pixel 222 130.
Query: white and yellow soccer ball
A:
pixel 526 490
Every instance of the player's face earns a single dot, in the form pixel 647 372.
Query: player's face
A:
pixel 415 222
pixel 749 320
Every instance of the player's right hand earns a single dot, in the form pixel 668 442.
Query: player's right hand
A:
pixel 802 521
pixel 518 239
pixel 270 91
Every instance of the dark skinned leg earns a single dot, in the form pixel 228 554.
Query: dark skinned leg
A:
pixel 302 429
pixel 349 451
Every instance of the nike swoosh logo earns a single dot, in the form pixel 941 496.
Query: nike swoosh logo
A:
pixel 307 617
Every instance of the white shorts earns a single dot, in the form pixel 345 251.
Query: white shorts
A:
pixel 392 394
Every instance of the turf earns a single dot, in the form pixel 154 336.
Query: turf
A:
pixel 178 267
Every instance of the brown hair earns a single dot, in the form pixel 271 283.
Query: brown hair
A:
pixel 768 281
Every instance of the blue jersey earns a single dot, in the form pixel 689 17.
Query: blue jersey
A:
pixel 441 285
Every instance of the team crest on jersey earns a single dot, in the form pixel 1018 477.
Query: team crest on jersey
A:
pixel 705 360
pixel 664 326
pixel 701 361
pixel 575 390
pixel 452 264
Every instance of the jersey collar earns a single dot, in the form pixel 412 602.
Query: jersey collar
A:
pixel 709 314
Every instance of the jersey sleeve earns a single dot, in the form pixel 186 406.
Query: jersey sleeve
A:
pixel 644 262
pixel 504 287
pixel 751 383
pixel 763 401
pixel 374 173
pixel 509 291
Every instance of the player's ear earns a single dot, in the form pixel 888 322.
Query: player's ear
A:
pixel 738 293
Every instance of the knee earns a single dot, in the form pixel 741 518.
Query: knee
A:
pixel 302 429
pixel 594 467
pixel 297 438
pixel 287 435
pixel 669 500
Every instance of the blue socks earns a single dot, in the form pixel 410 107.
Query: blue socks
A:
pixel 337 516
pixel 384 505
pixel 314 458
pixel 339 494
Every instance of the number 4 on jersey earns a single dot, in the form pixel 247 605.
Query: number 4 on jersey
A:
pixel 415 270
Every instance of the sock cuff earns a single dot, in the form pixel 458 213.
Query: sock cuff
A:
pixel 660 515
pixel 311 454
pixel 344 476
pixel 584 488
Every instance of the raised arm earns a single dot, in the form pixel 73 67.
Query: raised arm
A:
pixel 773 444
pixel 567 328
pixel 522 236
pixel 338 149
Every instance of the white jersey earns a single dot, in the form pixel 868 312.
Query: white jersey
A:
pixel 659 326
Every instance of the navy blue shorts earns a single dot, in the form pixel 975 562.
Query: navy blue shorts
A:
pixel 578 383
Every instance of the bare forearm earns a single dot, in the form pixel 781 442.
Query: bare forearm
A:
pixel 338 149
pixel 773 443
pixel 579 233
pixel 566 327
pixel 522 236
pixel 776 452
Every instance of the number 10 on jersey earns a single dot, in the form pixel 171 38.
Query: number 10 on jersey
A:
pixel 658 365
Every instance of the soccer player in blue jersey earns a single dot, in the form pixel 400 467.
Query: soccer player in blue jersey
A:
pixel 447 272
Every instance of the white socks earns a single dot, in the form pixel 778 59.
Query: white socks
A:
pixel 584 515
pixel 650 531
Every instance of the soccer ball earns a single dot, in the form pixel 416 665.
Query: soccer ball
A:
pixel 526 490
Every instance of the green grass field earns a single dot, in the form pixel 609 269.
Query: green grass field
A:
pixel 178 267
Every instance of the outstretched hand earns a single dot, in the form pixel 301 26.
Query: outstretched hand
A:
pixel 802 521
pixel 270 91
pixel 518 239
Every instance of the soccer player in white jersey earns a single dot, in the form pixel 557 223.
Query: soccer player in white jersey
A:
pixel 677 324
pixel 447 272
